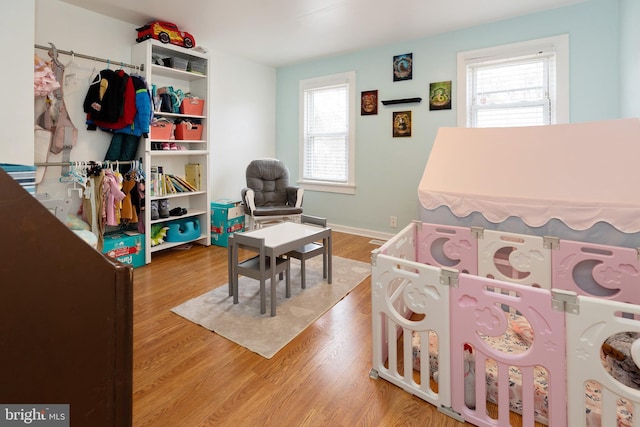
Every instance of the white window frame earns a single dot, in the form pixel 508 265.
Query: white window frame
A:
pixel 348 187
pixel 558 44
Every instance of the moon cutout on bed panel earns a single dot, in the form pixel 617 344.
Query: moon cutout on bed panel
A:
pixel 416 297
pixel 490 320
pixel 438 252
pixel 501 259
pixel 513 334
pixel 583 277
pixel 417 300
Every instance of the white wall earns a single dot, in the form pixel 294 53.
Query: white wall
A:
pixel 241 111
pixel 74 29
pixel 243 118
pixel 16 142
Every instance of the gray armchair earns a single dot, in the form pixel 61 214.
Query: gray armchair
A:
pixel 268 197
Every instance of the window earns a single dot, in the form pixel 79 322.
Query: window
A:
pixel 327 112
pixel 523 84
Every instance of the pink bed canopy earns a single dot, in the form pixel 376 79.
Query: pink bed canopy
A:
pixel 580 174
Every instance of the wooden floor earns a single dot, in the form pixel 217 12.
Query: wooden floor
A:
pixel 187 376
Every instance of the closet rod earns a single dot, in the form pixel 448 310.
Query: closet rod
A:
pixel 104 162
pixel 80 55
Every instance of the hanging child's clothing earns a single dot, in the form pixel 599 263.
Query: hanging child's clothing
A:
pixel 92 207
pixel 125 141
pixel 123 147
pixel 128 212
pixel 112 196
pixel 44 79
pixel 110 101
pixel 143 110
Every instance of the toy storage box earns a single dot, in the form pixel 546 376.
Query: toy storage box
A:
pixel 186 132
pixel 192 106
pixel 128 249
pixel 177 63
pixel 227 217
pixel 198 67
pixel 161 130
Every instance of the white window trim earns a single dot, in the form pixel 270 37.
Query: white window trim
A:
pixel 326 186
pixel 560 44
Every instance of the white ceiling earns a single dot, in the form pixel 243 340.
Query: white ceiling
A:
pixel 283 32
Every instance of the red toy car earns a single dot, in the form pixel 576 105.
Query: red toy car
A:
pixel 166 32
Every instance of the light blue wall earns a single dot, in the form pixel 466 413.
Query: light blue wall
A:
pixel 630 58
pixel 388 169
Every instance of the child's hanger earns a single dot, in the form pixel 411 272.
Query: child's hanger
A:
pixel 73 60
pixel 71 77
pixel 78 179
pixel 93 73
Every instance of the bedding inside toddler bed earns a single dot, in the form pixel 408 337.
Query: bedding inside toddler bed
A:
pixel 517 338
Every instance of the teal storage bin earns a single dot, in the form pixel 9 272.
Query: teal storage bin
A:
pixel 183 230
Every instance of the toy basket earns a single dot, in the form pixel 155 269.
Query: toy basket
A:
pixel 177 63
pixel 161 130
pixel 192 106
pixel 188 131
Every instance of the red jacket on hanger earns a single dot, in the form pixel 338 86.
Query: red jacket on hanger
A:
pixel 110 102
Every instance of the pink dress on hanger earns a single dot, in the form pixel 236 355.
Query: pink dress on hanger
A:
pixel 111 188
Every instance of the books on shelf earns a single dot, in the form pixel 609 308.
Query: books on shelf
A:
pixel 153 184
pixel 192 174
pixel 181 184
pixel 162 184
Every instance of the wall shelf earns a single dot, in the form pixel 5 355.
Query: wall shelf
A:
pixel 197 203
pixel 401 101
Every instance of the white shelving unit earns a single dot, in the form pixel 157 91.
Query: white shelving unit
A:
pixel 197 203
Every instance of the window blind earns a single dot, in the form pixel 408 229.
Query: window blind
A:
pixel 326 133
pixel 515 91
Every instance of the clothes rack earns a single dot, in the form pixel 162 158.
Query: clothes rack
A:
pixel 53 49
pixel 104 163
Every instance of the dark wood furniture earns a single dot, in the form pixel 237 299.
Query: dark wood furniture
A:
pixel 66 333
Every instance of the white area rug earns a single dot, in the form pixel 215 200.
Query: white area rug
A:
pixel 243 324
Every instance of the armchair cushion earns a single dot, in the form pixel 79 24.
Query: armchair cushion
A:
pixel 277 211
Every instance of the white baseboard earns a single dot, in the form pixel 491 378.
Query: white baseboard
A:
pixel 361 232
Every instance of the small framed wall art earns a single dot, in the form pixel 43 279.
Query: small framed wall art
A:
pixel 369 102
pixel 440 96
pixel 401 124
pixel 403 67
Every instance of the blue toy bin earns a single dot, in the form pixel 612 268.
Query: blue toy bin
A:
pixel 183 230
